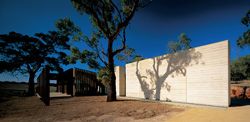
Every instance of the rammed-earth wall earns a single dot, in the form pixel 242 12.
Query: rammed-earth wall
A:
pixel 199 75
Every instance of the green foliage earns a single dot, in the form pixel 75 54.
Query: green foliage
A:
pixel 84 56
pixel 18 50
pixel 67 27
pixel 240 69
pixel 182 44
pixel 137 58
pixel 110 20
pixel 246 20
pixel 27 54
pixel 127 55
pixel 245 39
pixel 103 75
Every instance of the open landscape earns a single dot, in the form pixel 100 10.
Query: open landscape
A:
pixel 125 61
pixel 12 88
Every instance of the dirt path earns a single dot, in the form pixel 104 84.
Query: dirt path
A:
pixel 210 114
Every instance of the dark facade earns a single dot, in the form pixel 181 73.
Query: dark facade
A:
pixel 75 82
pixel 79 82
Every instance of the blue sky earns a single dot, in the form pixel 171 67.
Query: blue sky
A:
pixel 205 22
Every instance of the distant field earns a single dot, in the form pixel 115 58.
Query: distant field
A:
pixel 16 89
pixel 241 83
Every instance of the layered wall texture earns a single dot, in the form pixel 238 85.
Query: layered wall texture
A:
pixel 198 75
pixel 121 82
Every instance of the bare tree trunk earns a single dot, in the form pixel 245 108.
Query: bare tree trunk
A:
pixel 111 88
pixel 158 90
pixel 31 90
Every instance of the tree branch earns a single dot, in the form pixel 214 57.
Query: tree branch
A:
pixel 98 20
pixel 28 67
pixel 116 8
pixel 37 68
pixel 126 21
pixel 123 43
pixel 98 55
pixel 104 53
pixel 104 17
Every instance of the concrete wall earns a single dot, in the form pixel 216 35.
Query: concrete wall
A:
pixel 209 83
pixel 199 75
pixel 120 81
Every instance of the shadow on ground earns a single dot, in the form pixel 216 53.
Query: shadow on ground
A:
pixel 239 102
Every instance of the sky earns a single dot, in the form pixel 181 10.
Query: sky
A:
pixel 203 21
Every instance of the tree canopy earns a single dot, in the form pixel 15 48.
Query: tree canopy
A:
pixel 183 43
pixel 27 54
pixel 108 39
pixel 240 69
pixel 244 40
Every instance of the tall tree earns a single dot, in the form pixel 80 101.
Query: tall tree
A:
pixel 244 40
pixel 27 54
pixel 110 20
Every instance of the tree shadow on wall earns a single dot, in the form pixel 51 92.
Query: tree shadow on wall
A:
pixel 154 80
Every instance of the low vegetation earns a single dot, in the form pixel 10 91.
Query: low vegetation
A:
pixel 240 69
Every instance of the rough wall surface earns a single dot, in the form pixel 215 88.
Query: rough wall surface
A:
pixel 208 83
pixel 199 75
pixel 120 81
